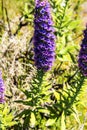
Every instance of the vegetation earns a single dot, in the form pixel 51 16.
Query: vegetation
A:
pixel 37 100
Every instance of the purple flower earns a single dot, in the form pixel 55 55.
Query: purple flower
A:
pixel 82 61
pixel 44 38
pixel 2 89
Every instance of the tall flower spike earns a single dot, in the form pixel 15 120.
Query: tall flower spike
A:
pixel 2 89
pixel 83 55
pixel 44 39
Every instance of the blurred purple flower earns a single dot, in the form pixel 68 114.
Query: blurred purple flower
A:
pixel 82 62
pixel 2 89
pixel 44 38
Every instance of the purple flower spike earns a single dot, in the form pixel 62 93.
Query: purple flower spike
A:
pixel 82 61
pixel 2 89
pixel 44 39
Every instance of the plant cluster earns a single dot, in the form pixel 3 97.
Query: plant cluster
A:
pixel 43 96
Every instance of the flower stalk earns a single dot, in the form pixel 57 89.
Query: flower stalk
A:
pixel 44 39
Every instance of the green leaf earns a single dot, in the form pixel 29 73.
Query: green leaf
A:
pixel 57 96
pixel 5 111
pixel 12 123
pixel 72 57
pixel 50 122
pixel 44 111
pixel 63 126
pixel 26 102
pixel 73 24
pixel 32 120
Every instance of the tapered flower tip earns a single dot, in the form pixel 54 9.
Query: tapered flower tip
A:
pixel 40 1
pixel 82 61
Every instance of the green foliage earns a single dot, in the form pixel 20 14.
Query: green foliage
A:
pixel 47 106
pixel 28 12
pixel 36 96
pixel 6 117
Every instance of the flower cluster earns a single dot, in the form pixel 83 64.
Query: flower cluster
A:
pixel 2 89
pixel 44 39
pixel 83 55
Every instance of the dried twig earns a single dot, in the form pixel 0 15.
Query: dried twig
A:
pixel 20 25
pixel 9 32
pixel 2 10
